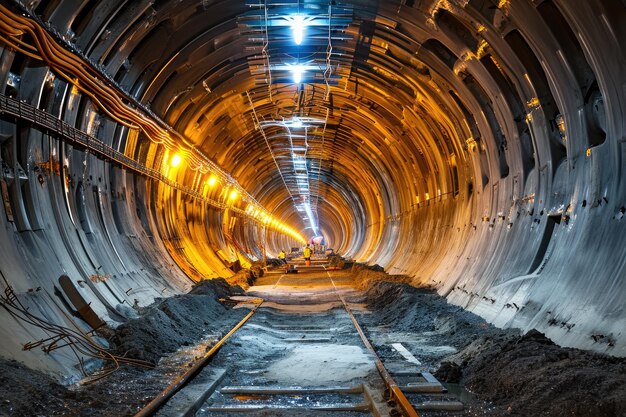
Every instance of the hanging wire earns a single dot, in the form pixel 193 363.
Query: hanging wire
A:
pixel 257 123
pixel 327 74
pixel 80 343
pixel 319 162
pixel 266 54
pixel 329 51
pixel 315 221
pixel 105 94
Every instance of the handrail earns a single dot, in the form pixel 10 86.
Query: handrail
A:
pixel 27 112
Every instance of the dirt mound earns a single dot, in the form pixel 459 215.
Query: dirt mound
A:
pixel 519 375
pixel 218 288
pixel 335 261
pixel 367 276
pixel 377 268
pixel 245 277
pixel 162 328
pixel 257 270
pixel 273 262
pixel 449 372
pixel 25 392
pixel 412 309
pixel 530 375
pixel 175 321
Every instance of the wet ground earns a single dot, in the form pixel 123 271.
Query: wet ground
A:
pixel 302 337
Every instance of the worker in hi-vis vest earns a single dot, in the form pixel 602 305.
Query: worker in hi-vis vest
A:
pixel 282 256
pixel 306 253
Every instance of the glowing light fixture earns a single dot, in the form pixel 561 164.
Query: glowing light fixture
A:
pixel 212 180
pixel 297 71
pixel 298 23
pixel 176 159
pixel 233 195
pixel 297 123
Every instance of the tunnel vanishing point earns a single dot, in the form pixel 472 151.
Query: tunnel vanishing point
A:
pixel 477 146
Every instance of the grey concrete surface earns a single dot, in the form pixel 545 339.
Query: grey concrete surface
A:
pixel 477 146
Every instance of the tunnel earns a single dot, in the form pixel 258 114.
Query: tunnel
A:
pixel 474 147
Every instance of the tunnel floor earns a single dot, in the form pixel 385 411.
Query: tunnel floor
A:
pixel 301 350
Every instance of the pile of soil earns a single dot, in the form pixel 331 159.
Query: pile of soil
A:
pixel 246 277
pixel 520 375
pixel 176 321
pixel 530 375
pixel 162 328
pixel 366 277
pixel 335 261
pixel 26 392
pixel 422 309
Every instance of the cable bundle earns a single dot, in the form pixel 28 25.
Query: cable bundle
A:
pixel 60 336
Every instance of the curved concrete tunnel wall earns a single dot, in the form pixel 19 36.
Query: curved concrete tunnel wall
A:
pixel 476 146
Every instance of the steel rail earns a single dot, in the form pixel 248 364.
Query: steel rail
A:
pixel 153 406
pixel 395 392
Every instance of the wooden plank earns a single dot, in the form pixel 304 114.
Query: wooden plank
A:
pixel 243 408
pixel 308 340
pixel 7 202
pixel 189 400
pixel 425 387
pixel 378 404
pixel 84 309
pixel 399 347
pixel 430 378
pixel 402 368
pixel 440 406
pixel 273 390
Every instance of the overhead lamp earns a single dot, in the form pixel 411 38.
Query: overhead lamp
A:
pixel 298 23
pixel 212 180
pixel 233 195
pixel 297 71
pixel 296 122
pixel 176 159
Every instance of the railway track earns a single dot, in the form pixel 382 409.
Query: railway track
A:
pixel 300 352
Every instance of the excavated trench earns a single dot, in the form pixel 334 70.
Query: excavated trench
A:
pixel 473 149
pixel 301 336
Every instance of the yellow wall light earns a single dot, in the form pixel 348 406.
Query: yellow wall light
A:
pixel 176 160
pixel 212 180
pixel 233 195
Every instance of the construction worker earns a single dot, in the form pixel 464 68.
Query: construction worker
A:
pixel 282 257
pixel 306 253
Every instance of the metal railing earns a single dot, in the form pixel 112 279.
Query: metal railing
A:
pixel 77 137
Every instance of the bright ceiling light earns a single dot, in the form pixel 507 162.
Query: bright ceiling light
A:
pixel 296 72
pixel 233 195
pixel 297 123
pixel 212 180
pixel 298 24
pixel 176 159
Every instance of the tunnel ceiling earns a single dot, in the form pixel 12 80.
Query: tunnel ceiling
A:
pixel 393 95
pixel 380 107
pixel 415 99
pixel 370 109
